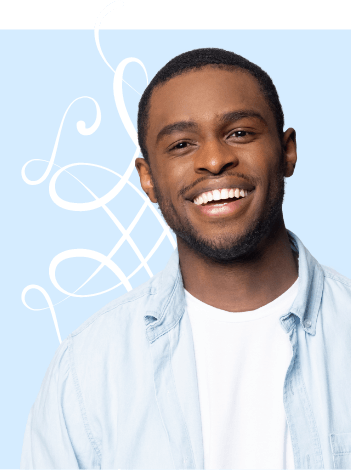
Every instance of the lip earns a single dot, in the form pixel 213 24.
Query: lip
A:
pixel 222 184
pixel 220 210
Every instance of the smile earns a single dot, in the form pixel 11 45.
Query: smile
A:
pixel 222 202
pixel 226 194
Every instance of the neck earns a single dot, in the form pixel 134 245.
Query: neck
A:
pixel 245 285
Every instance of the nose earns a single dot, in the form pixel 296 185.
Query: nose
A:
pixel 215 157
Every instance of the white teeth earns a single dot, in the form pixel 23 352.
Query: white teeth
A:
pixel 216 195
pixel 224 193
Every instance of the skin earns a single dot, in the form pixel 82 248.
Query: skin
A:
pixel 214 155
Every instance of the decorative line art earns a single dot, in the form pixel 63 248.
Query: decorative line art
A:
pixel 104 260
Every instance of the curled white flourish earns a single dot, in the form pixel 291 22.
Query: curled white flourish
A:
pixel 123 113
pixel 47 297
pixel 82 129
pixel 125 235
pixel 104 260
pixel 111 6
pixel 71 253
pixel 83 253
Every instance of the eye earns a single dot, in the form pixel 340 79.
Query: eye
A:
pixel 179 145
pixel 240 133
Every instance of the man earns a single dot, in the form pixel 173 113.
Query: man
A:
pixel 238 354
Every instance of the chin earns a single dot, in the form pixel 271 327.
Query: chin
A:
pixel 224 250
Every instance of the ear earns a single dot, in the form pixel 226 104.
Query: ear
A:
pixel 146 182
pixel 289 149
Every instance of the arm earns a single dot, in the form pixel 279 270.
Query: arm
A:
pixel 55 435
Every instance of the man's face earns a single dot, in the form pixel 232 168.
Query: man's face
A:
pixel 212 130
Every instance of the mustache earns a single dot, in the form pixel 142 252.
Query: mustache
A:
pixel 249 179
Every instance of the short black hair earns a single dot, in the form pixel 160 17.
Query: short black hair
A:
pixel 196 59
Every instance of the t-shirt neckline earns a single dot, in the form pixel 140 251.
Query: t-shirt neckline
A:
pixel 280 305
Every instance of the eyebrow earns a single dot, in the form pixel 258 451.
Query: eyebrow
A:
pixel 226 118
pixel 237 115
pixel 175 127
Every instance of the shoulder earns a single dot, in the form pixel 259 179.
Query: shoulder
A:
pixel 111 339
pixel 333 276
pixel 119 312
pixel 336 292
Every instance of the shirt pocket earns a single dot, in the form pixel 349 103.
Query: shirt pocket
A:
pixel 341 448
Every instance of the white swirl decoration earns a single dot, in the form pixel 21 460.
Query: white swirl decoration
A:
pixel 98 202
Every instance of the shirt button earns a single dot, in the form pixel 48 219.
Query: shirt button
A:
pixel 307 324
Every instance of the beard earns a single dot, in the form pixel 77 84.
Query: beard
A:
pixel 230 247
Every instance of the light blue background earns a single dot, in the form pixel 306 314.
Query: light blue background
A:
pixel 42 72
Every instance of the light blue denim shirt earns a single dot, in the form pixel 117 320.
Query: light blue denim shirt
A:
pixel 122 392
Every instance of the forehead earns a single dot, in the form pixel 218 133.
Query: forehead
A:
pixel 202 96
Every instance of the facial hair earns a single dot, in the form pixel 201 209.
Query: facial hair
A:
pixel 229 248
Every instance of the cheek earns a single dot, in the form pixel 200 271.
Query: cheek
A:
pixel 265 162
pixel 175 176
pixel 164 182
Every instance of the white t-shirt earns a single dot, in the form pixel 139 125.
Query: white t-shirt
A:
pixel 241 360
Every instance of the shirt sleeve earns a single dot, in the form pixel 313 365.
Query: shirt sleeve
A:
pixel 55 436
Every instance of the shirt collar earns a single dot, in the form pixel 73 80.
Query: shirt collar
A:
pixel 165 304
pixel 308 299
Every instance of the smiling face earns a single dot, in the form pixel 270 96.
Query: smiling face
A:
pixel 217 161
